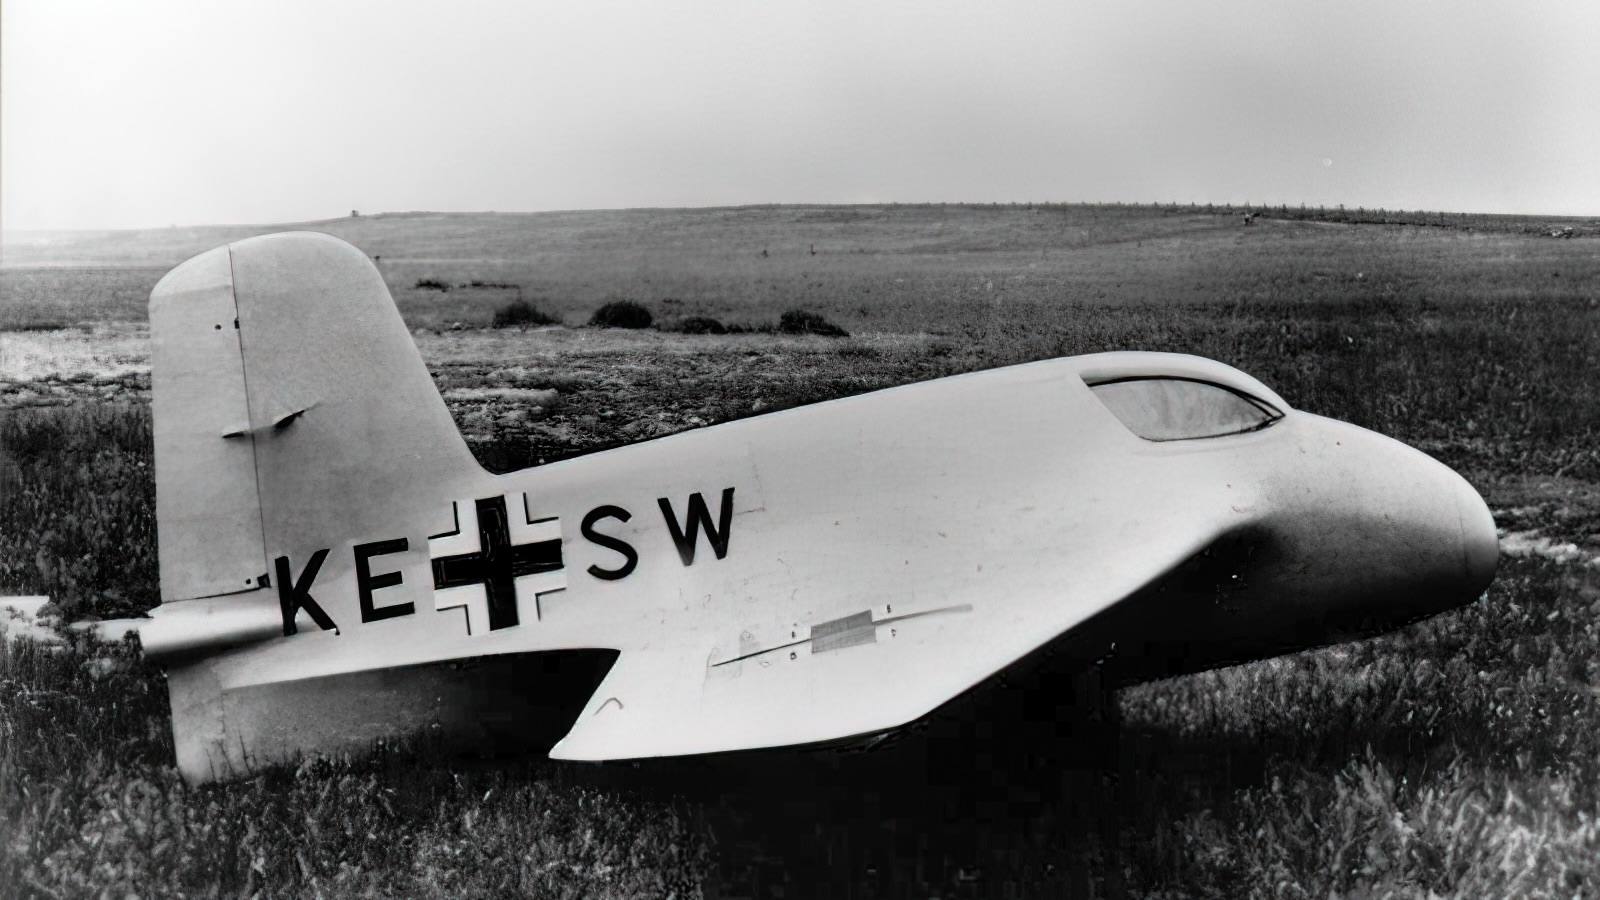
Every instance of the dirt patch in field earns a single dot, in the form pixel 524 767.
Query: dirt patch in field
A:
pixel 107 362
pixel 522 398
pixel 525 398
pixel 1559 509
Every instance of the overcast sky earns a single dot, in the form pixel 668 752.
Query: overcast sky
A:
pixel 158 112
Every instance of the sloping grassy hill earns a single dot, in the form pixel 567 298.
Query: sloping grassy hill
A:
pixel 872 268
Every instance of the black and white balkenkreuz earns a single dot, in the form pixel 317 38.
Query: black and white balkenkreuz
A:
pixel 497 562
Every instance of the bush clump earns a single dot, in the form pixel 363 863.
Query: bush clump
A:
pixel 804 321
pixel 433 284
pixel 621 314
pixel 701 325
pixel 521 314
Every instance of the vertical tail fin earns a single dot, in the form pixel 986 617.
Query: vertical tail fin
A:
pixel 292 410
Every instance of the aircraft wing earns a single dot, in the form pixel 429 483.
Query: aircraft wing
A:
pixel 874 670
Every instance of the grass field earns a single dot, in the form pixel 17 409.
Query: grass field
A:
pixel 1457 757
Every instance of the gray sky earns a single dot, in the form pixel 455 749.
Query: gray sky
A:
pixel 157 112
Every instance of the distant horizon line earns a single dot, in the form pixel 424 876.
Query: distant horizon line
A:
pixel 1213 207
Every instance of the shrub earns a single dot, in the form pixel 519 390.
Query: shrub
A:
pixel 621 314
pixel 701 325
pixel 804 321
pixel 521 314
pixel 433 284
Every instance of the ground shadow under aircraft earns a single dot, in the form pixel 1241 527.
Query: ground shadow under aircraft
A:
pixel 1029 784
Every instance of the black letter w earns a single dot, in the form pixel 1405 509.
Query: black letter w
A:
pixel 699 516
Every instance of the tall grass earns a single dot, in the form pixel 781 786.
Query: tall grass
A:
pixel 77 507
pixel 1459 757
pixel 1456 756
pixel 90 804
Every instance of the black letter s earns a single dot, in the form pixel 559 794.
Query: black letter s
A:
pixel 609 542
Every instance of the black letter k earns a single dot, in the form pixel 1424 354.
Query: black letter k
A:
pixel 295 596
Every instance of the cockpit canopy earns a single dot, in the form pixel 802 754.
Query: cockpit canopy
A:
pixel 1166 408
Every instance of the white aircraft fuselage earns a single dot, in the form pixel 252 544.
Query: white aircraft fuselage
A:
pixel 799 577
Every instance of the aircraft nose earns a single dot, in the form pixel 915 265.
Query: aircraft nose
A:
pixel 1480 542
pixel 1392 535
